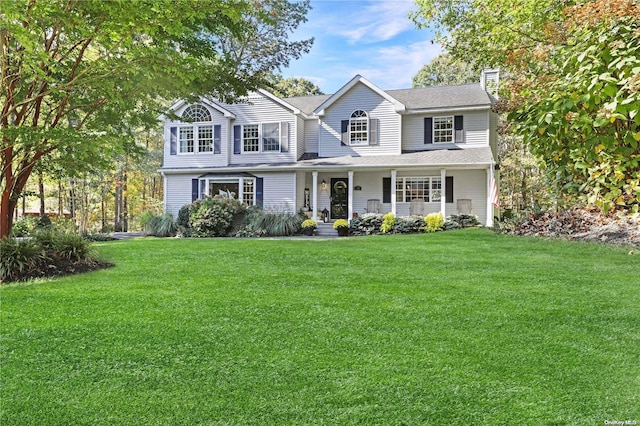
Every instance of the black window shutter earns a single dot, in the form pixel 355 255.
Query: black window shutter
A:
pixel 386 190
pixel 194 190
pixel 237 139
pixel 173 141
pixel 259 192
pixel 428 130
pixel 373 131
pixel 217 139
pixel 458 125
pixel 344 131
pixel 284 136
pixel 448 183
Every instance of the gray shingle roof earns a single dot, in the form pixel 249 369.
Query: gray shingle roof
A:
pixel 442 96
pixel 436 97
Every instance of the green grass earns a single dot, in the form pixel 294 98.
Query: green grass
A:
pixel 457 328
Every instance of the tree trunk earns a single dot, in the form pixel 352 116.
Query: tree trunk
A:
pixel 117 216
pixel 41 194
pixel 125 206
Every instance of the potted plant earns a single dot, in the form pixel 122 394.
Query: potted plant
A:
pixel 342 226
pixel 308 226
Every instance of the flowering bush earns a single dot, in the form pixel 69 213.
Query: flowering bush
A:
pixel 340 224
pixel 309 223
pixel 434 222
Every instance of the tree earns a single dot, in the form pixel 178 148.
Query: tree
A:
pixel 444 70
pixel 292 86
pixel 572 91
pixel 78 75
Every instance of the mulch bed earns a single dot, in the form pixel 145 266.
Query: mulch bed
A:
pixel 60 268
pixel 581 224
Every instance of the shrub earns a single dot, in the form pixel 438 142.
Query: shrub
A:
pixel 46 238
pixel 158 225
pixel 408 225
pixel 434 222
pixel 388 220
pixel 24 226
pixel 71 247
pixel 210 219
pixel 464 220
pixel 367 224
pixel 44 222
pixel 277 223
pixel 97 236
pixel 18 256
pixel 340 224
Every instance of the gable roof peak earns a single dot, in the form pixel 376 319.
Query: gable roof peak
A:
pixel 320 110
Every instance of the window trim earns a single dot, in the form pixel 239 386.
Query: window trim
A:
pixel 401 188
pixel 367 124
pixel 437 133
pixel 195 131
pixel 205 184
pixel 261 133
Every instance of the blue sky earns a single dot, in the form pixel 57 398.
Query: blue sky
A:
pixel 374 38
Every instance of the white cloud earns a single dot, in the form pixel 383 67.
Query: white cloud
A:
pixel 371 22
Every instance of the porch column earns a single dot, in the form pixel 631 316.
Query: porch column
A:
pixel 443 192
pixel 350 196
pixel 393 191
pixel 314 196
pixel 489 202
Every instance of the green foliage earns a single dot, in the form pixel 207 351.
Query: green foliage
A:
pixel 433 222
pixel 158 225
pixel 408 225
pixel 585 124
pixel 276 224
pixel 366 224
pixel 213 217
pixel 18 256
pixel 456 221
pixel 444 70
pixel 44 222
pixel 24 226
pixel 72 247
pixel 388 222
pixel 292 86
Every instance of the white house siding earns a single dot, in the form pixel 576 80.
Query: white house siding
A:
pixel 177 192
pixel 263 110
pixel 311 130
pixel 197 159
pixel 359 97
pixel 476 125
pixel 300 129
pixel 493 134
pixel 279 191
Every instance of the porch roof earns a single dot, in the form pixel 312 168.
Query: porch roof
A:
pixel 441 158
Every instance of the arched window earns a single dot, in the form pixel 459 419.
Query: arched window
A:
pixel 359 128
pixel 196 113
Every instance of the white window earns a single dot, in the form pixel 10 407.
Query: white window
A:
pixel 426 189
pixel 196 113
pixel 250 138
pixel 443 129
pixel 271 137
pixel 186 140
pixel 242 188
pixel 265 137
pixel 196 138
pixel 359 128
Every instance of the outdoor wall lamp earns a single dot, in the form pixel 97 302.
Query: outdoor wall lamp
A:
pixel 323 185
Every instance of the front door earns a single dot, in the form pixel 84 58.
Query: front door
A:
pixel 339 198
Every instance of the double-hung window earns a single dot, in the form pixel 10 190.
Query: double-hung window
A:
pixel 250 138
pixel 271 137
pixel 443 129
pixel 426 189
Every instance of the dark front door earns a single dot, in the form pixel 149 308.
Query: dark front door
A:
pixel 339 198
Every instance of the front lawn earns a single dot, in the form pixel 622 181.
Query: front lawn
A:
pixel 458 328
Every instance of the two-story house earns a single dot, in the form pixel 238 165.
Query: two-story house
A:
pixel 362 149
